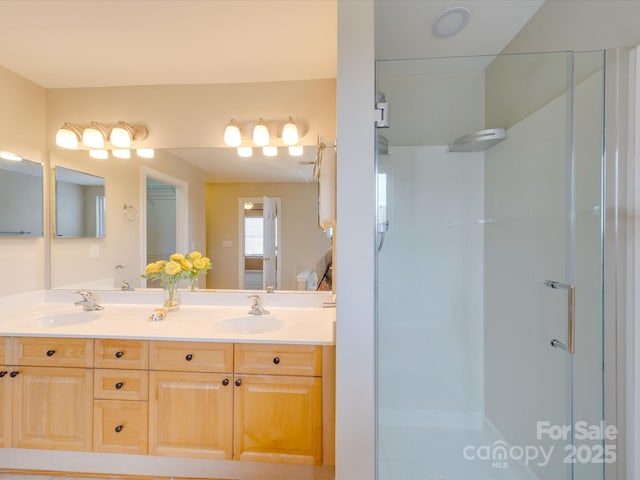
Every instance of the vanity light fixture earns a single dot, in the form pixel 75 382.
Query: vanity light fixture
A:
pixel 270 151
pixel 290 133
pixel 145 152
pixel 232 134
pixel 99 154
pixel 99 138
pixel 261 134
pixel 121 153
pixel 12 157
pixel 296 150
pixel 94 136
pixel 245 152
pixel 68 136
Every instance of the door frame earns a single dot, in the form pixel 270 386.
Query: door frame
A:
pixel 241 201
pixel 182 212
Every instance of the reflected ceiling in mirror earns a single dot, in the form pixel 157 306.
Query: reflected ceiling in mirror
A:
pixel 20 199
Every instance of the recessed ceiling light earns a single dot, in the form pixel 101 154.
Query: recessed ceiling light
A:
pixel 450 22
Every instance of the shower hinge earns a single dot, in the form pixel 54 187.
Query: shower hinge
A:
pixel 382 114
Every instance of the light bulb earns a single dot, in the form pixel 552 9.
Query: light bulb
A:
pixel 93 138
pixel 66 138
pixel 232 136
pixel 290 133
pixel 270 151
pixel 245 152
pixel 99 154
pixel 12 157
pixel 296 150
pixel 261 134
pixel 145 152
pixel 120 137
pixel 121 153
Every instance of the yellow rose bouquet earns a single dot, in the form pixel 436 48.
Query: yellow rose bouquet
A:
pixel 178 267
pixel 197 266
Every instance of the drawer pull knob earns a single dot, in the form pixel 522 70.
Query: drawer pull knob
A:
pixel 225 382
pixel 118 429
pixel 3 373
pixel 119 354
pixel 50 353
pixel 189 357
pixel 14 374
pixel 119 385
pixel 238 382
pixel 276 360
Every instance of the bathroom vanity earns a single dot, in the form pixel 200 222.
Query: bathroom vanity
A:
pixel 207 382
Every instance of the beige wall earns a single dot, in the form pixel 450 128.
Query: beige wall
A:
pixel 195 115
pixel 22 128
pixel 71 264
pixel 303 243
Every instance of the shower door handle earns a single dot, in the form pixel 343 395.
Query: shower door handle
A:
pixel 571 309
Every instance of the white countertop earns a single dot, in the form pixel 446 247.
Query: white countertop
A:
pixel 201 317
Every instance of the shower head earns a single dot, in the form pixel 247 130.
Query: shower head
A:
pixel 478 141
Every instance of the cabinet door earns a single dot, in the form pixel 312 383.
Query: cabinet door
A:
pixel 5 404
pixel 278 419
pixel 190 414
pixel 53 408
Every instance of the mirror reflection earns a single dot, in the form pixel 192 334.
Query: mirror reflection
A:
pixel 20 198
pixel 80 204
pixel 204 216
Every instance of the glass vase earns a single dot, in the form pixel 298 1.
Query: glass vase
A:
pixel 171 297
pixel 193 284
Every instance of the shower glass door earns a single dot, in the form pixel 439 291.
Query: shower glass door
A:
pixel 489 275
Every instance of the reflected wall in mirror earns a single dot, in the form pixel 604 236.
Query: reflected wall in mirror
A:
pixel 216 180
pixel 20 199
pixel 80 204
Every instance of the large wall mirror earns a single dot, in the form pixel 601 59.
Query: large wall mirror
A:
pixel 215 180
pixel 20 198
pixel 80 204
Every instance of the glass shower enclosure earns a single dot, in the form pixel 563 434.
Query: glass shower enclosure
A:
pixel 490 269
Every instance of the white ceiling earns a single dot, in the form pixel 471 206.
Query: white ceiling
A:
pixel 80 43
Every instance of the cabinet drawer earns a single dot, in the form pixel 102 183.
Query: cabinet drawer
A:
pixel 120 426
pixel 191 356
pixel 55 352
pixel 112 353
pixel 120 384
pixel 278 359
pixel 3 350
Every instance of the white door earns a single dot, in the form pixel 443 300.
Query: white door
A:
pixel 269 215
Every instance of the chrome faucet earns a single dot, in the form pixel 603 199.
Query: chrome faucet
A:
pixel 256 306
pixel 88 303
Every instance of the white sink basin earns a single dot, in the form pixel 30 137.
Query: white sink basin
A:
pixel 60 319
pixel 249 324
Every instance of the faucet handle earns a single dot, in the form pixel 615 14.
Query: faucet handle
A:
pixel 85 294
pixel 256 299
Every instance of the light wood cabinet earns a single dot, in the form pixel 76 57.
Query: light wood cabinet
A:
pixel 5 395
pixel 278 419
pixel 190 414
pixel 121 393
pixel 278 403
pixel 52 388
pixel 52 408
pixel 120 426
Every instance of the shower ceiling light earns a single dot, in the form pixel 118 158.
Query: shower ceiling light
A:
pixel 450 22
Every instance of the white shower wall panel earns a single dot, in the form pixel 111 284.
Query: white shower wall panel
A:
pixel 430 329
